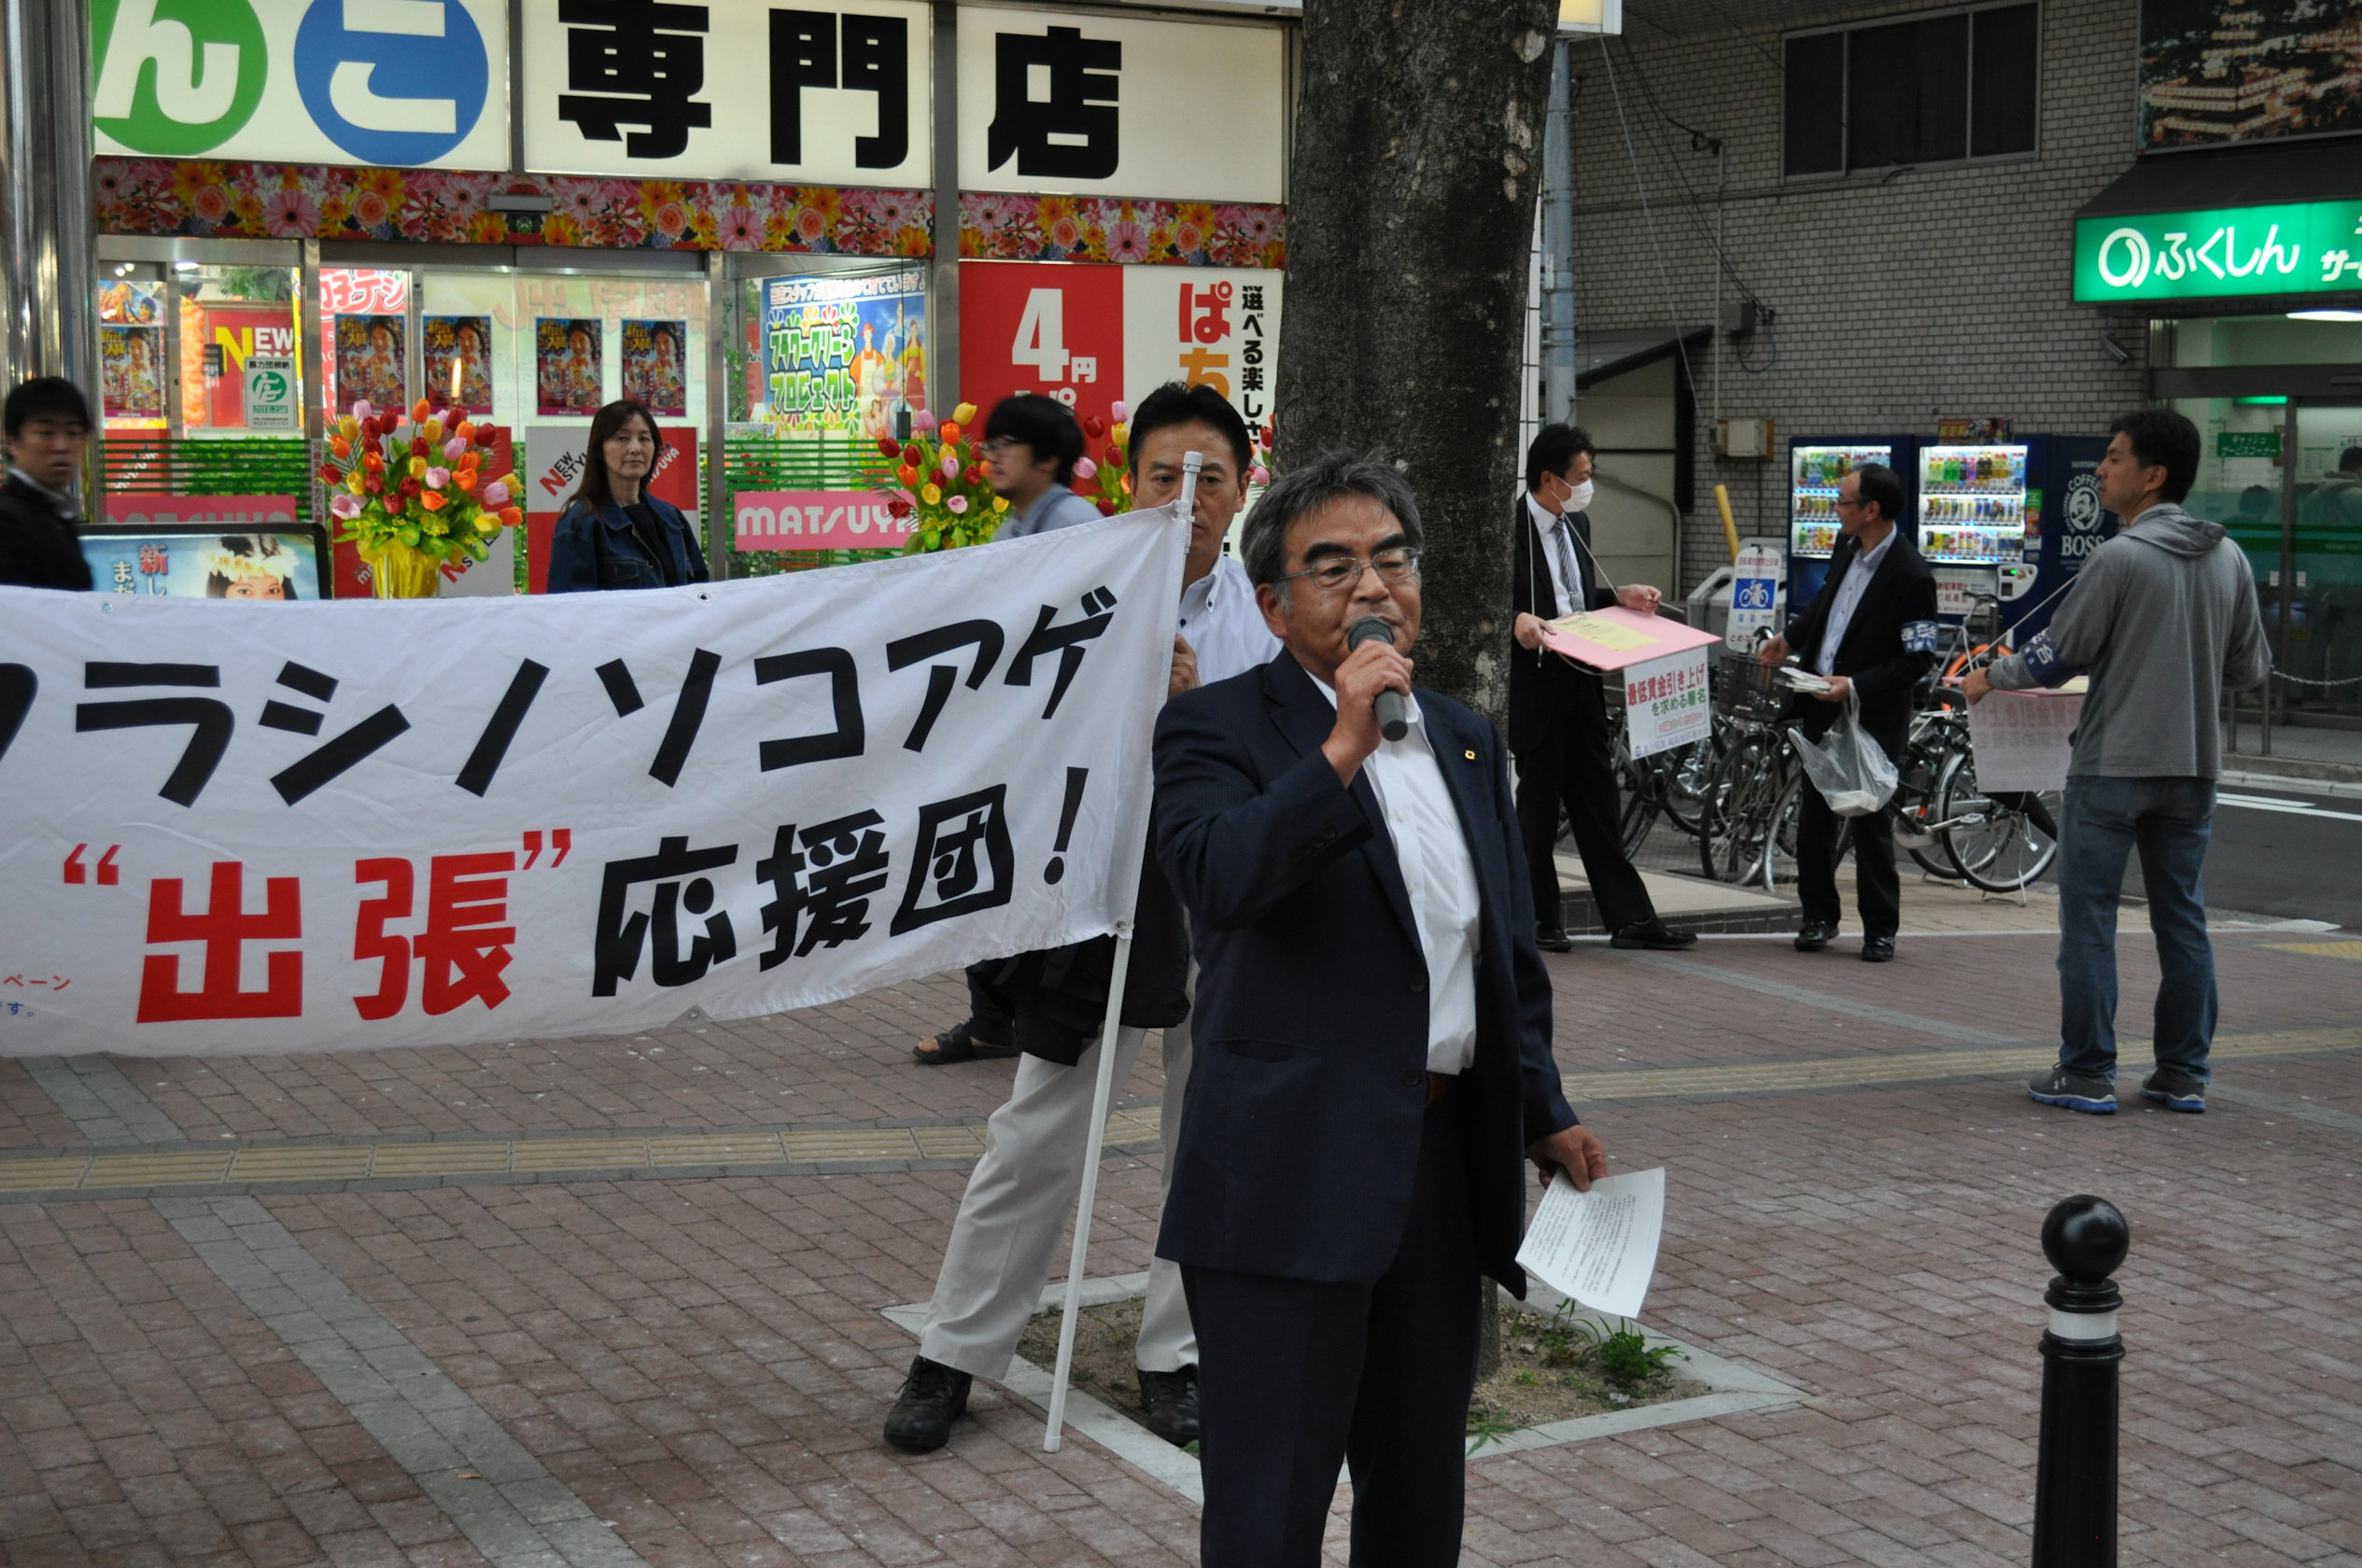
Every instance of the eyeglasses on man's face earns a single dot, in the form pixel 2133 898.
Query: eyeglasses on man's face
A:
pixel 1335 574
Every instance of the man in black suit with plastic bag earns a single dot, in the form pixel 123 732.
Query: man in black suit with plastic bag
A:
pixel 1870 633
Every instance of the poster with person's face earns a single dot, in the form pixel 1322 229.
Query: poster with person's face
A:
pixel 569 365
pixel 455 355
pixel 260 568
pixel 369 363
pixel 656 365
pixel 130 359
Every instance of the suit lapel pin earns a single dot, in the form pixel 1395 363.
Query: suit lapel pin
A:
pixel 1470 755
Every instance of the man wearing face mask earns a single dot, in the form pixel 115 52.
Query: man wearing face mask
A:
pixel 1557 712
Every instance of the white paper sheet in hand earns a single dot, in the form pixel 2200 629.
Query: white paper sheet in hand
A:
pixel 1599 1247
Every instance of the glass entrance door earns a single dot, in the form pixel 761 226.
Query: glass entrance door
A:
pixel 2321 648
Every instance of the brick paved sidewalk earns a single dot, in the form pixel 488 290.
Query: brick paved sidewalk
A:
pixel 547 1366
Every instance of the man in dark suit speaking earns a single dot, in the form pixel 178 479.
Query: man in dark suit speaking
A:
pixel 1373 1024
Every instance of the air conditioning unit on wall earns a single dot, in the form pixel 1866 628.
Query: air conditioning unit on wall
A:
pixel 1743 437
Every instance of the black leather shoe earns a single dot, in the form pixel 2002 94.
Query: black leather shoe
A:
pixel 1877 949
pixel 931 1398
pixel 1653 935
pixel 1549 939
pixel 1171 1399
pixel 1814 937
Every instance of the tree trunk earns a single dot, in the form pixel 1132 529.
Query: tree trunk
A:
pixel 1409 223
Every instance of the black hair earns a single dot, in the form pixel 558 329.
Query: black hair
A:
pixel 1880 483
pixel 44 398
pixel 1332 476
pixel 2350 460
pixel 2162 438
pixel 1045 425
pixel 595 489
pixel 1555 447
pixel 255 547
pixel 1180 403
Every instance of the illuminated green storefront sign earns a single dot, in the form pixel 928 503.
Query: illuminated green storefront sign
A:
pixel 2312 249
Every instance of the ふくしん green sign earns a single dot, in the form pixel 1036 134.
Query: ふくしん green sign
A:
pixel 2314 248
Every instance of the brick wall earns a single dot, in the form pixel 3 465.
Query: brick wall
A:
pixel 1938 291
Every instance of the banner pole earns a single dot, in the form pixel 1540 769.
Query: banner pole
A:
pixel 1102 1090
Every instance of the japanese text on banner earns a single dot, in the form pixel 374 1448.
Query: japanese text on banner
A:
pixel 401 824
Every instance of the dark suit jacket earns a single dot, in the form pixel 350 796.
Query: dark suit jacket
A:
pixel 1543 687
pixel 38 549
pixel 1874 655
pixel 1307 1095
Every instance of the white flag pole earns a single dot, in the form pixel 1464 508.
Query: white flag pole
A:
pixel 1102 1090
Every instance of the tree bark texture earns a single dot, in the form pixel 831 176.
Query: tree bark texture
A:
pixel 1409 222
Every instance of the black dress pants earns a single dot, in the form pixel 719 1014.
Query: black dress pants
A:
pixel 1295 1375
pixel 1576 767
pixel 992 1015
pixel 1877 889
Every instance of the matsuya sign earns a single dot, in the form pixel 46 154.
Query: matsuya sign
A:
pixel 2309 248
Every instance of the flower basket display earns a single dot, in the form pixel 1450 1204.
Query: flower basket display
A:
pixel 410 493
pixel 940 483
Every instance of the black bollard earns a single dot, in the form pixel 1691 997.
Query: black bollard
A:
pixel 2074 1473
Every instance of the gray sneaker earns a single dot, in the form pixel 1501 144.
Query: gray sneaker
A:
pixel 2176 1090
pixel 2072 1090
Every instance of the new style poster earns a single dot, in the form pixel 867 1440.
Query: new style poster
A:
pixel 843 355
pixel 267 568
pixel 457 361
pixel 656 365
pixel 131 380
pixel 568 365
pixel 370 361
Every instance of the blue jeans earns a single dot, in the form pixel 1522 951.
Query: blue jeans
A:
pixel 2168 821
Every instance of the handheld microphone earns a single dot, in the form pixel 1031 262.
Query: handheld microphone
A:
pixel 1394 719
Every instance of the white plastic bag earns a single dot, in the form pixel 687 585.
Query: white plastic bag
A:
pixel 1847 766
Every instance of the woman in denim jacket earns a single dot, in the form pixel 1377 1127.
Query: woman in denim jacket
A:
pixel 613 534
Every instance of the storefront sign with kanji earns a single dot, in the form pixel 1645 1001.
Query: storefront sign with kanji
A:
pixel 391 823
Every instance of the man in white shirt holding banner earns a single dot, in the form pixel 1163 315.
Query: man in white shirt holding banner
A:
pixel 1017 1202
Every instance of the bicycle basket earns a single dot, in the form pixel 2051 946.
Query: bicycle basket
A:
pixel 1744 689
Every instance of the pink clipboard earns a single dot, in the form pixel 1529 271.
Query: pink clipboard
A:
pixel 1608 640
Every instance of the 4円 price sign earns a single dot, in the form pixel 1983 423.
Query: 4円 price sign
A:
pixel 270 828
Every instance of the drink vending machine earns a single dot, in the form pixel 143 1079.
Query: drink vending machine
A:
pixel 2014 520
pixel 1816 466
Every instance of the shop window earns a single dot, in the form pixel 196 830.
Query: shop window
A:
pixel 1936 88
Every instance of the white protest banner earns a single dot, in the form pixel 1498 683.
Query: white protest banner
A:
pixel 1665 702
pixel 310 826
pixel 2021 740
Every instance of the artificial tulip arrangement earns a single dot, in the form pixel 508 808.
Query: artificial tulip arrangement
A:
pixel 411 494
pixel 940 482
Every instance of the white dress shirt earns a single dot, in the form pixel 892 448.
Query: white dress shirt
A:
pixel 1440 874
pixel 1223 624
pixel 1562 593
pixel 1849 600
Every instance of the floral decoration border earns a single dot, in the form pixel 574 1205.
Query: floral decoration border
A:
pixel 323 202
pixel 1109 229
pixel 196 197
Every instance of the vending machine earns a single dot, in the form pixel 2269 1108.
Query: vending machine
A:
pixel 2012 519
pixel 1974 517
pixel 2061 531
pixel 1816 466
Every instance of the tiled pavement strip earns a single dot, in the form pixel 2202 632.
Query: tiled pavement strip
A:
pixel 699 1362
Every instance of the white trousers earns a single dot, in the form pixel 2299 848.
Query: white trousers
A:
pixel 1018 1203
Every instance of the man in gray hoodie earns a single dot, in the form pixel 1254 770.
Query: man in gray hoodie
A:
pixel 2163 619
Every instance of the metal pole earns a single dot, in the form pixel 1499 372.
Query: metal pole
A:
pixel 2086 1238
pixel 721 521
pixel 943 290
pixel 1102 1090
pixel 51 281
pixel 2287 573
pixel 1558 245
